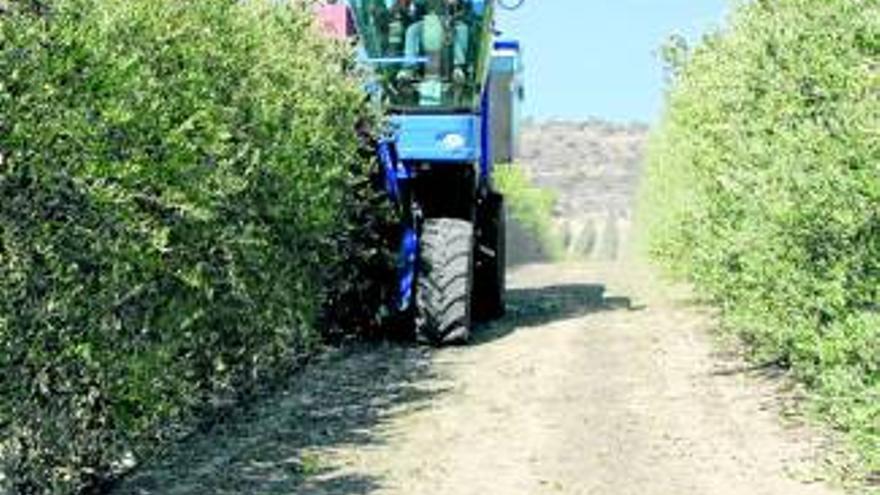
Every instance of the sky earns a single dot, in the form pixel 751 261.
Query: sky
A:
pixel 599 58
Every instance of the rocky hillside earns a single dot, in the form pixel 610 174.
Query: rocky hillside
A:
pixel 594 168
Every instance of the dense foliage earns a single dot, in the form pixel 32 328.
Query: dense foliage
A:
pixel 179 182
pixel 764 188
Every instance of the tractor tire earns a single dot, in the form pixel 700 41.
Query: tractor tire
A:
pixel 491 264
pixel 445 282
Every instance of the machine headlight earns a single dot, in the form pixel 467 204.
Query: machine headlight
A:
pixel 453 141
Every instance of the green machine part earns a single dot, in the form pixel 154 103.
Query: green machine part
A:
pixel 429 54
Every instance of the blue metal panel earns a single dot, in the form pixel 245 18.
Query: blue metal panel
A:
pixel 486 136
pixel 406 268
pixel 507 45
pixel 438 138
pixel 388 161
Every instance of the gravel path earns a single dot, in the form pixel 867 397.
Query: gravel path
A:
pixel 577 391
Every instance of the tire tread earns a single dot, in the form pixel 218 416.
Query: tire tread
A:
pixel 445 282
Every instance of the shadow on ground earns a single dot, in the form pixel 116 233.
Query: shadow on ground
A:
pixel 534 307
pixel 277 445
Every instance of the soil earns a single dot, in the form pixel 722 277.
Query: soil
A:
pixel 601 379
pixel 596 382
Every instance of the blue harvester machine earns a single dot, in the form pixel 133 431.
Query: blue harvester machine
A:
pixel 452 91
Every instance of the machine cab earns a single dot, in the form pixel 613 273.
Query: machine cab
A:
pixel 429 54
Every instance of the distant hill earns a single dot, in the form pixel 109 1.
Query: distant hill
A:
pixel 594 167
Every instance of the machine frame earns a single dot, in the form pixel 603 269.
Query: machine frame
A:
pixel 437 159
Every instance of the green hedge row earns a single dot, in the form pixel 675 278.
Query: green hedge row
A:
pixel 178 190
pixel 764 188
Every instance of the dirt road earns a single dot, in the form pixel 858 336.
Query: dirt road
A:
pixel 595 383
pixel 600 381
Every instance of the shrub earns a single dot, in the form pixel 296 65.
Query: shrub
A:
pixel 764 188
pixel 177 189
pixel 531 207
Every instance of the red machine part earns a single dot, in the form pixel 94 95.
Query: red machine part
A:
pixel 336 20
